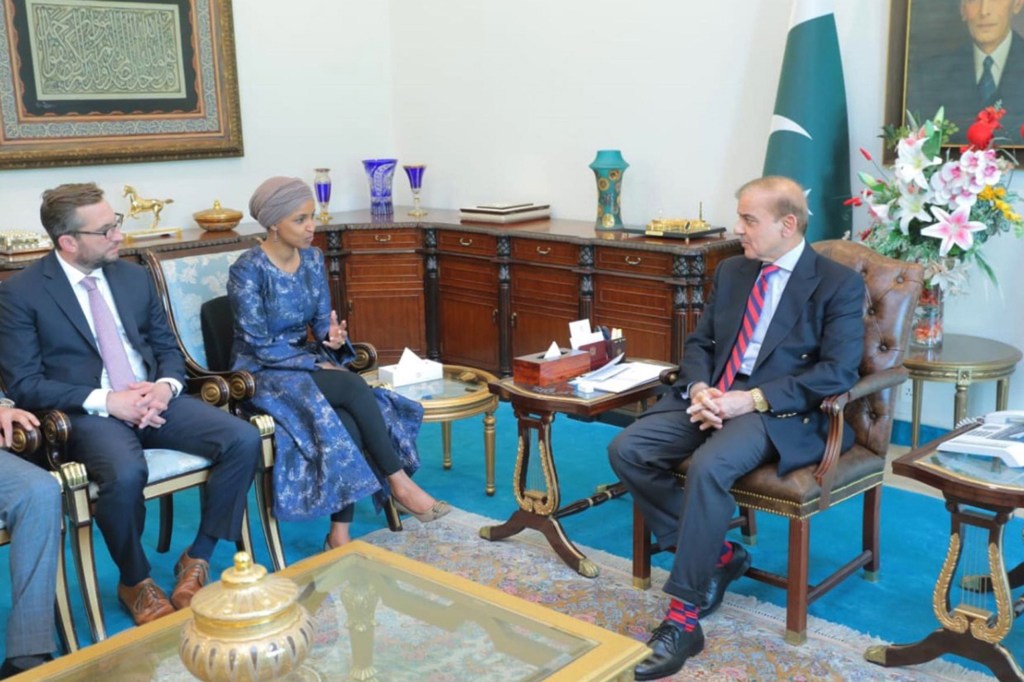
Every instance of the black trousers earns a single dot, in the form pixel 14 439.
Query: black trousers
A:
pixel 353 400
pixel 112 453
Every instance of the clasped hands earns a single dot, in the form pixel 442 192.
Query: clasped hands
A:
pixel 141 404
pixel 337 335
pixel 710 407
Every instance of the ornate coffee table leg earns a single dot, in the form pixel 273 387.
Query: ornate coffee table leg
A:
pixel 538 508
pixel 446 444
pixel 489 448
pixel 967 629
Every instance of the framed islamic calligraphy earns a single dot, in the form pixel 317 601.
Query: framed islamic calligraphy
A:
pixel 87 82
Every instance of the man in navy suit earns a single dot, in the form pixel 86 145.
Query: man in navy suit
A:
pixel 85 332
pixel 988 68
pixel 782 331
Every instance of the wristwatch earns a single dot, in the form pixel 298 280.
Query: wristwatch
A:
pixel 6 402
pixel 760 402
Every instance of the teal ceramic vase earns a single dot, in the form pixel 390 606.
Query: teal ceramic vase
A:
pixel 608 167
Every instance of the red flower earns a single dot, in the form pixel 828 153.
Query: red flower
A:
pixel 864 152
pixel 980 134
pixel 853 201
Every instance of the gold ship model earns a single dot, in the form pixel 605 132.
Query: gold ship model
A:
pixel 684 228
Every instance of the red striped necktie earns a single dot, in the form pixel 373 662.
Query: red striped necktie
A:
pixel 755 304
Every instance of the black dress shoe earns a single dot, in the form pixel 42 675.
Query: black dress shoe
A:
pixel 720 579
pixel 670 647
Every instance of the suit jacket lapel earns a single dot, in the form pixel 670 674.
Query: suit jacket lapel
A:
pixel 57 285
pixel 802 282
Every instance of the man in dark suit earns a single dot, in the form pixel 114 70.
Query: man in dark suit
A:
pixel 85 332
pixel 782 330
pixel 987 68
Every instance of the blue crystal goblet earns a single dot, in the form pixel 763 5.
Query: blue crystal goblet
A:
pixel 415 174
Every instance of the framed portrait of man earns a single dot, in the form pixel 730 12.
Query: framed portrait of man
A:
pixel 960 55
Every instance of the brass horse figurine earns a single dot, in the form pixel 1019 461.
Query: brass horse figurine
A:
pixel 139 205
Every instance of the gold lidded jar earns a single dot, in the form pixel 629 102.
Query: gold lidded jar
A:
pixel 217 218
pixel 249 627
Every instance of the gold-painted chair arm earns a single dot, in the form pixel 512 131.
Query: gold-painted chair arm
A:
pixel 210 388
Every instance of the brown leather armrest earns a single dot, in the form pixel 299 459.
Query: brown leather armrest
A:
pixel 669 376
pixel 834 406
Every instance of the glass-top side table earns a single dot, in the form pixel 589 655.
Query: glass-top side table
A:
pixel 971 599
pixel 461 393
pixel 380 616
pixel 962 360
pixel 535 480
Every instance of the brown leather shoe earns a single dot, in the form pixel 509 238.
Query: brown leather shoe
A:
pixel 145 602
pixel 192 574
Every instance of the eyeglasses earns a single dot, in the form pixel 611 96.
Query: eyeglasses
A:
pixel 107 230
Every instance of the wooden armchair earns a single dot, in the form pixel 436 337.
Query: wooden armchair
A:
pixel 186 285
pixel 34 445
pixel 892 291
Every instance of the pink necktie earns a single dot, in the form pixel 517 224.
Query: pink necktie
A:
pixel 115 359
pixel 755 303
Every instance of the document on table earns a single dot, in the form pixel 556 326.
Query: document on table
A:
pixel 627 375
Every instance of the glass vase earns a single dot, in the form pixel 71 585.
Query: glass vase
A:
pixel 926 330
pixel 415 175
pixel 379 173
pixel 322 187
pixel 608 167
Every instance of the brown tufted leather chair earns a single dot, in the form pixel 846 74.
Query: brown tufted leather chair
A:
pixel 892 291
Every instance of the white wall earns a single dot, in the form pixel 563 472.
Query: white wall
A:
pixel 510 100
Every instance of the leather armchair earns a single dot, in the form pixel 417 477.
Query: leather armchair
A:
pixel 893 288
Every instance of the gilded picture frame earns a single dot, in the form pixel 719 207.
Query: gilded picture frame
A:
pixel 932 64
pixel 87 82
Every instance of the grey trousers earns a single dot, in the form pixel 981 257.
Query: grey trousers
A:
pixel 30 507
pixel 693 519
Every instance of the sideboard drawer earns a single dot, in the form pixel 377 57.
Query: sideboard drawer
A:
pixel 382 239
pixel 467 243
pixel 545 252
pixel 634 262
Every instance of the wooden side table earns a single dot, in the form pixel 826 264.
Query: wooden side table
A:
pixel 981 496
pixel 962 360
pixel 536 487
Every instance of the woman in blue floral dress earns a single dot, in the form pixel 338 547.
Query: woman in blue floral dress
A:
pixel 337 439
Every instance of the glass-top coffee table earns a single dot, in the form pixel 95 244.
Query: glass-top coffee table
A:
pixel 461 393
pixel 380 616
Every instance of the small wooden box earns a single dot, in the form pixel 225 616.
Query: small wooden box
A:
pixel 534 370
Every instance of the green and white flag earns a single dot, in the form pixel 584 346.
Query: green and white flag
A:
pixel 810 140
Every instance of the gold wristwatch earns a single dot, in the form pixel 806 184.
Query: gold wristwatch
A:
pixel 760 402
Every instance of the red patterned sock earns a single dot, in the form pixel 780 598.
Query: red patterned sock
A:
pixel 726 554
pixel 683 614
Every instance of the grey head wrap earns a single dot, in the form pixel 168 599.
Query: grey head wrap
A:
pixel 277 198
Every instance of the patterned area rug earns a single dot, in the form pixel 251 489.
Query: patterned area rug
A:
pixel 744 637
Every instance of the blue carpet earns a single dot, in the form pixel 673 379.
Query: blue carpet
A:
pixel 897 608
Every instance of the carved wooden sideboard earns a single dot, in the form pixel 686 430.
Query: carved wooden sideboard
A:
pixel 479 295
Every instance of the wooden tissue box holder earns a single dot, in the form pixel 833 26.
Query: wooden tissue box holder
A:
pixel 601 352
pixel 534 370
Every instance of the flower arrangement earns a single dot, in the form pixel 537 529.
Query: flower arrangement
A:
pixel 940 213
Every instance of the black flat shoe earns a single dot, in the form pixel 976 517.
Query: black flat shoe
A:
pixel 670 647
pixel 720 579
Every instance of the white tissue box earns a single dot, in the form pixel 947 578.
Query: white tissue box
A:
pixel 424 370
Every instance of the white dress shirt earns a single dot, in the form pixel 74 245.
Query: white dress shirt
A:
pixel 998 55
pixel 776 285
pixel 96 402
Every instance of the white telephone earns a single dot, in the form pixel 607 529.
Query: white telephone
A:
pixel 1001 434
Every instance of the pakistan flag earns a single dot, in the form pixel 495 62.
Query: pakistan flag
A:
pixel 809 139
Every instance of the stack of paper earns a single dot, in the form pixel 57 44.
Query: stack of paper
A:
pixel 616 376
pixel 505 213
